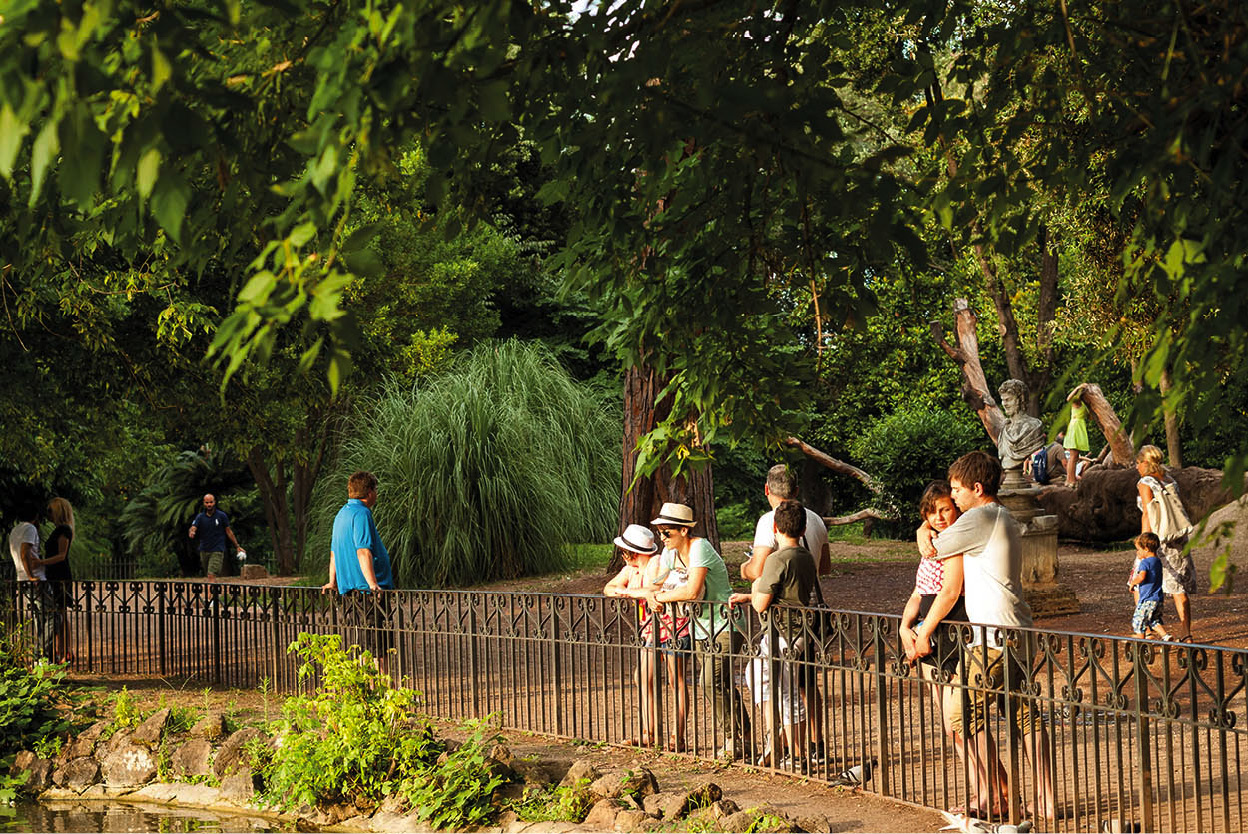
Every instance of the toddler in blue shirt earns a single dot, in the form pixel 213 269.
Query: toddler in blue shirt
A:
pixel 1146 582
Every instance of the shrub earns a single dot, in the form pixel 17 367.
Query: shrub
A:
pixel 488 472
pixel 358 738
pixel 31 701
pixel 908 449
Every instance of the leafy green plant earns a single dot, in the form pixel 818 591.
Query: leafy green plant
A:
pixel 31 701
pixel 354 738
pixel 126 712
pixel 764 822
pixel 561 803
pixel 456 793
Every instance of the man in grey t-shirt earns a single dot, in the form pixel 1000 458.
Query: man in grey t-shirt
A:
pixel 989 540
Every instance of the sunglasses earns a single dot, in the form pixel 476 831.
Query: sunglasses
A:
pixel 666 533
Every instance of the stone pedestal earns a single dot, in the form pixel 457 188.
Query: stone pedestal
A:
pixel 1044 593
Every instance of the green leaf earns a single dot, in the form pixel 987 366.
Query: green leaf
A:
pixel 364 263
pixel 301 234
pixel 43 154
pixel 162 70
pixel 360 238
pixel 148 168
pixel 169 201
pixel 12 132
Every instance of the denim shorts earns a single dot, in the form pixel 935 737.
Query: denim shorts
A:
pixel 677 647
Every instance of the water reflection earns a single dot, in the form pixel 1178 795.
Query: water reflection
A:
pixel 120 816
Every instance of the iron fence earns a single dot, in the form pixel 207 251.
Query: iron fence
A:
pixel 1134 735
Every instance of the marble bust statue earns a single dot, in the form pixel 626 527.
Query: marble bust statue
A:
pixel 1022 434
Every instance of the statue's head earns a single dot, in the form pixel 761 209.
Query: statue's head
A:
pixel 1013 392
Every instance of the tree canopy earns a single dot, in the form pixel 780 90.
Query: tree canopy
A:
pixel 726 165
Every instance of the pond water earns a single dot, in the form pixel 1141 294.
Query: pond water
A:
pixel 121 816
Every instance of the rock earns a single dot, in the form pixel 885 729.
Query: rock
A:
pixel 629 820
pixel 674 805
pixel 130 765
pixel 387 821
pixel 814 824
pixel 38 771
pixel 705 795
pixel 199 794
pixel 233 754
pixel 535 774
pixel 395 803
pixel 238 787
pixel 193 758
pixel 211 727
pixel 84 743
pixel 738 823
pixel 159 792
pixel 602 815
pixel 501 752
pixel 150 731
pixel 638 783
pixel 651 804
pixel 78 773
pixel 711 815
pixel 253 572
pixel 580 769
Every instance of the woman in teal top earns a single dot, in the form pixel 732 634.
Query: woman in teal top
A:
pixel 1076 442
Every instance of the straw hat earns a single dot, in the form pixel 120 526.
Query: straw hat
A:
pixel 637 539
pixel 675 515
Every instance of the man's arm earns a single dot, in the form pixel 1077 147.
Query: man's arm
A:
pixel 194 528
pixel 941 606
pixel 967 535
pixel 332 584
pixel 365 555
pixel 752 568
pixel 229 534
pixel 29 560
pixel 825 560
pixel 923 538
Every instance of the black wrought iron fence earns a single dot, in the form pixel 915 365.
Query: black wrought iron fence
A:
pixel 1132 735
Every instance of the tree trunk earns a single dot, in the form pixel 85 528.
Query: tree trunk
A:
pixel 975 389
pixel 1174 446
pixel 276 508
pixel 642 498
pixel 1046 312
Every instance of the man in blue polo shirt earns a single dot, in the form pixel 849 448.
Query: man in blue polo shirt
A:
pixel 359 566
pixel 211 528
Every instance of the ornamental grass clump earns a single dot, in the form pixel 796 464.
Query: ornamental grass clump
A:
pixel 487 472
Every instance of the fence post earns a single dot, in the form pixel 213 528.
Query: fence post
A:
pixel 1143 735
pixel 160 628
pixel 474 658
pixel 557 683
pixel 882 697
pixel 214 592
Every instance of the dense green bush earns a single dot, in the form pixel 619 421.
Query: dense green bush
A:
pixel 912 447
pixel 358 738
pixel 31 701
pixel 490 471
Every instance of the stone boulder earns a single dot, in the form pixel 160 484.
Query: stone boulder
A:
pixel 631 820
pixel 194 758
pixel 578 770
pixel 637 784
pixel 77 774
pixel 211 727
pixel 37 770
pixel 603 815
pixel 150 731
pixel 233 753
pixel 128 766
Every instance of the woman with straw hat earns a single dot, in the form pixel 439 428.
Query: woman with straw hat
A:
pixel 689 570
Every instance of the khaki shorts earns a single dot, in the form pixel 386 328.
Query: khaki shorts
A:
pixel 985 681
pixel 213 561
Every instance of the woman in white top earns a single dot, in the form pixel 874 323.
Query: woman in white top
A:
pixel 1178 572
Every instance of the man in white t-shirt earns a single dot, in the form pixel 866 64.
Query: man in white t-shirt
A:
pixel 24 549
pixel 781 485
pixel 24 546
pixel 989 540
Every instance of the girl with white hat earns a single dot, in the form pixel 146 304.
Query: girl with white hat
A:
pixel 637 546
